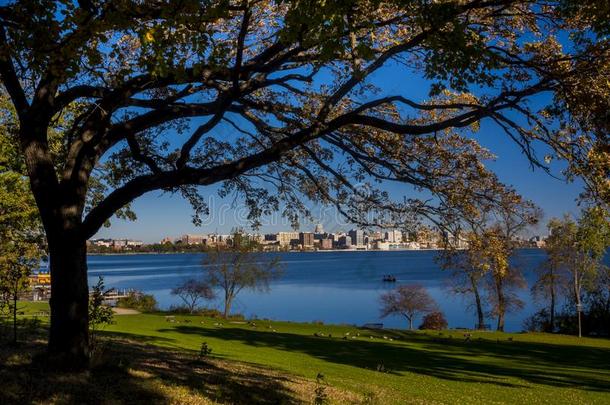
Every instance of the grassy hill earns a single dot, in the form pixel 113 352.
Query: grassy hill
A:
pixel 277 362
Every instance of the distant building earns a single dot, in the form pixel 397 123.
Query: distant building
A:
pixel 393 236
pixel 345 241
pixel 116 243
pixel 101 242
pixel 537 241
pixel 288 238
pixel 306 239
pixel 190 239
pixel 375 236
pixel 319 229
pixel 167 239
pixel 326 243
pixel 357 237
pixel 270 237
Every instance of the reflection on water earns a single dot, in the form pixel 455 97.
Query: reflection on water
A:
pixel 334 287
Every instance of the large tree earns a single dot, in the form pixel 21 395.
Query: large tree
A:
pixel 173 94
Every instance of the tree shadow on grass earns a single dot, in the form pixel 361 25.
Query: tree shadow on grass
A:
pixel 134 372
pixel 511 364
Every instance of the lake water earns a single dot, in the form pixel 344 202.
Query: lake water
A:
pixel 334 287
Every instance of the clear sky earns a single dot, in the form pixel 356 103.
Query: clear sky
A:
pixel 161 215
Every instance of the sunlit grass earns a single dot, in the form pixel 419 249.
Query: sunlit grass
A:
pixel 396 366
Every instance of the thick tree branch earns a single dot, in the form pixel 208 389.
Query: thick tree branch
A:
pixel 9 77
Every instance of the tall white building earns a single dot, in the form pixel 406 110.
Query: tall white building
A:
pixel 393 236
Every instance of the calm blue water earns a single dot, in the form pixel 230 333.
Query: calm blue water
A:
pixel 334 287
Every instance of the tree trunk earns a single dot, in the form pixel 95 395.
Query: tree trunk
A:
pixel 60 205
pixel 228 301
pixel 479 304
pixel 577 298
pixel 69 333
pixel 15 315
pixel 552 310
pixel 501 305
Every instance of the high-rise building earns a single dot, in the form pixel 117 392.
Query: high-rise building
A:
pixel 288 238
pixel 375 236
pixel 306 239
pixel 319 229
pixel 393 236
pixel 357 237
pixel 345 241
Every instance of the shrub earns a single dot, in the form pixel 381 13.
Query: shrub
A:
pixel 538 322
pixel 205 350
pixel 99 314
pixel 320 395
pixel 138 301
pixel 179 310
pixel 434 321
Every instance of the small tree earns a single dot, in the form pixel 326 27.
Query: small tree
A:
pixel 434 321
pixel 20 235
pixel 99 314
pixel 551 277
pixel 192 291
pixel 237 268
pixel 17 260
pixel 408 301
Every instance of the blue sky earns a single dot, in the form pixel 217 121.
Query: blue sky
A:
pixel 161 215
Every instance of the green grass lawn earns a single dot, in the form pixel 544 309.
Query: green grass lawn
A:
pixel 395 366
pixel 416 367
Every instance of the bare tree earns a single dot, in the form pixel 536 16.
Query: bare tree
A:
pixel 240 268
pixel 192 291
pixel 408 301
pixel 551 275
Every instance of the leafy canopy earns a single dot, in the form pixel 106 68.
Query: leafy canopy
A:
pixel 280 100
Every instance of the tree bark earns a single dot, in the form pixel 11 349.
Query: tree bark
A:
pixel 69 333
pixel 15 297
pixel 410 319
pixel 228 301
pixel 501 305
pixel 552 310
pixel 478 303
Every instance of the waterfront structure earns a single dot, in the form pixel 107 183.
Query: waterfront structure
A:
pixel 270 237
pixel 393 236
pixel 116 243
pixel 375 236
pixel 306 239
pixel 357 237
pixel 288 238
pixel 345 241
pixel 191 239
pixel 326 243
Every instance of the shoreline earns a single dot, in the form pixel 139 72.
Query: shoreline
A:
pixel 287 251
